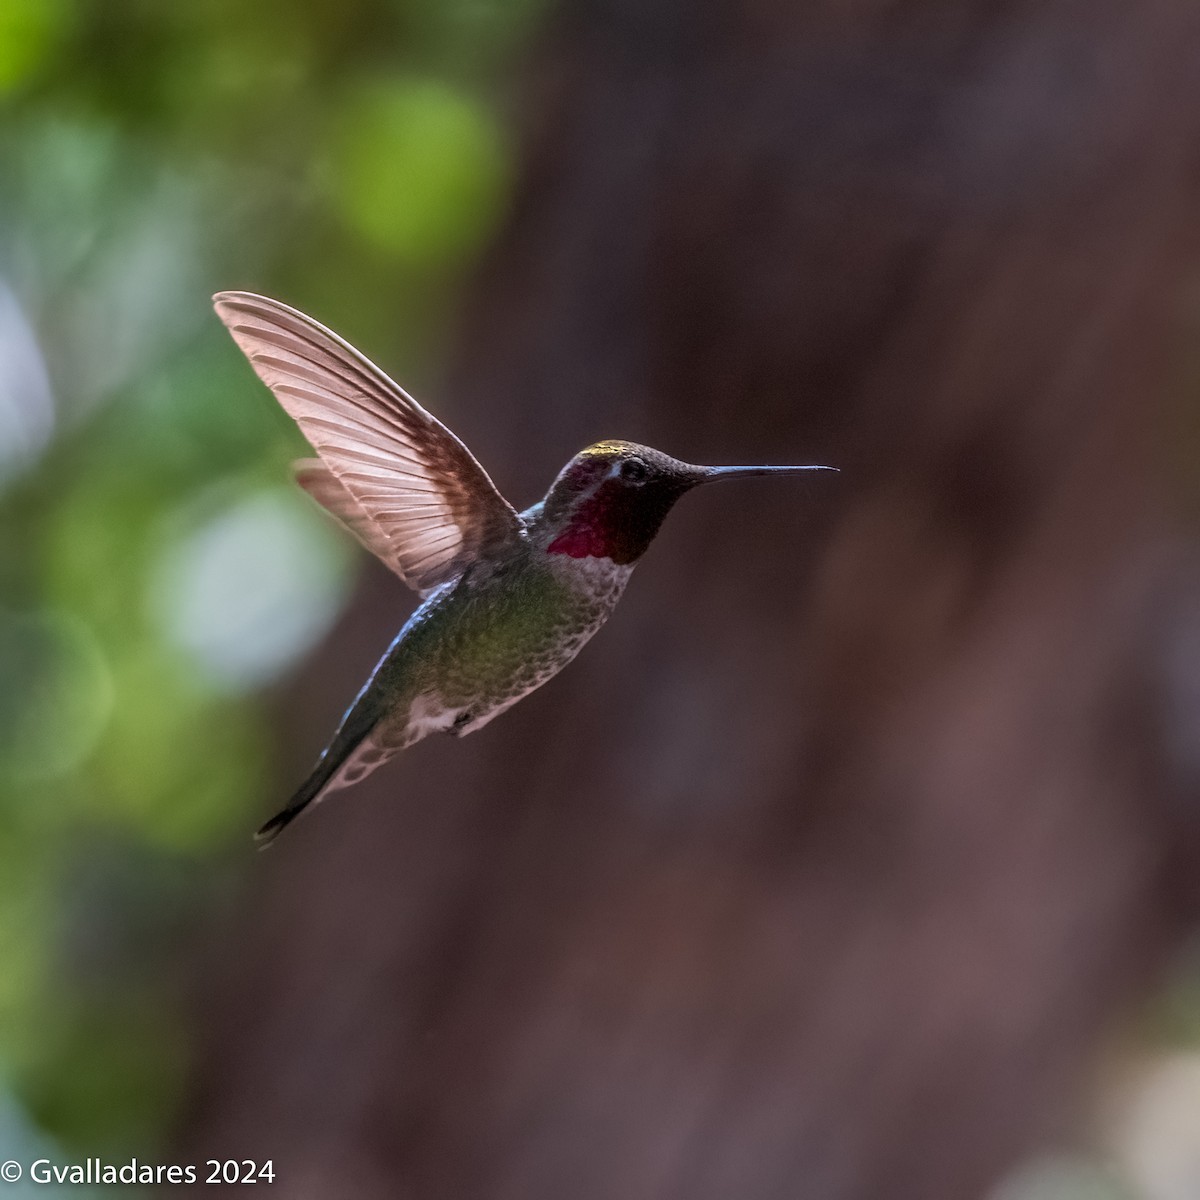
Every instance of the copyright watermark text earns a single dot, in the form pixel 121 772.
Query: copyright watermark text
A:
pixel 96 1170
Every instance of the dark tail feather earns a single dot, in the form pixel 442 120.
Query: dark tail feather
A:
pixel 344 743
pixel 309 791
pixel 281 820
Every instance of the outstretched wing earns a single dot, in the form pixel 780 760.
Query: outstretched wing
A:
pixel 415 488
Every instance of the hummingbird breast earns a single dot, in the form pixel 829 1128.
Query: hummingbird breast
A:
pixel 476 648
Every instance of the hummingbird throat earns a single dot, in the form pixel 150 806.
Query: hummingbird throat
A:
pixel 613 524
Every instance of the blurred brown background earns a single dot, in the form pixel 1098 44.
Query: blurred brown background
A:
pixel 857 858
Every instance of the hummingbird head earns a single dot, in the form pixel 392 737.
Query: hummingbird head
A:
pixel 610 499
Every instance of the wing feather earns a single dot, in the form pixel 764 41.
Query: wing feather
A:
pixel 400 481
pixel 329 492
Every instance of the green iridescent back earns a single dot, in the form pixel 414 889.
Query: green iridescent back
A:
pixel 495 636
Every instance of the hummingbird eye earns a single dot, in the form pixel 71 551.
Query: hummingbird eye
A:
pixel 633 470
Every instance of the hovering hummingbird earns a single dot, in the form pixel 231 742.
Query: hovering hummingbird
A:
pixel 508 598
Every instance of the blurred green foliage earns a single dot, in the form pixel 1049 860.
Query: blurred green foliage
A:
pixel 155 574
pixel 418 170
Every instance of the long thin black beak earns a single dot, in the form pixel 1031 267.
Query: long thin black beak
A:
pixel 708 474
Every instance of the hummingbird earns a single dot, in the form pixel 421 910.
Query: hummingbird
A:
pixel 507 598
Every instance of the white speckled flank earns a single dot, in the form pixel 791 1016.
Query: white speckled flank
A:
pixel 601 579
